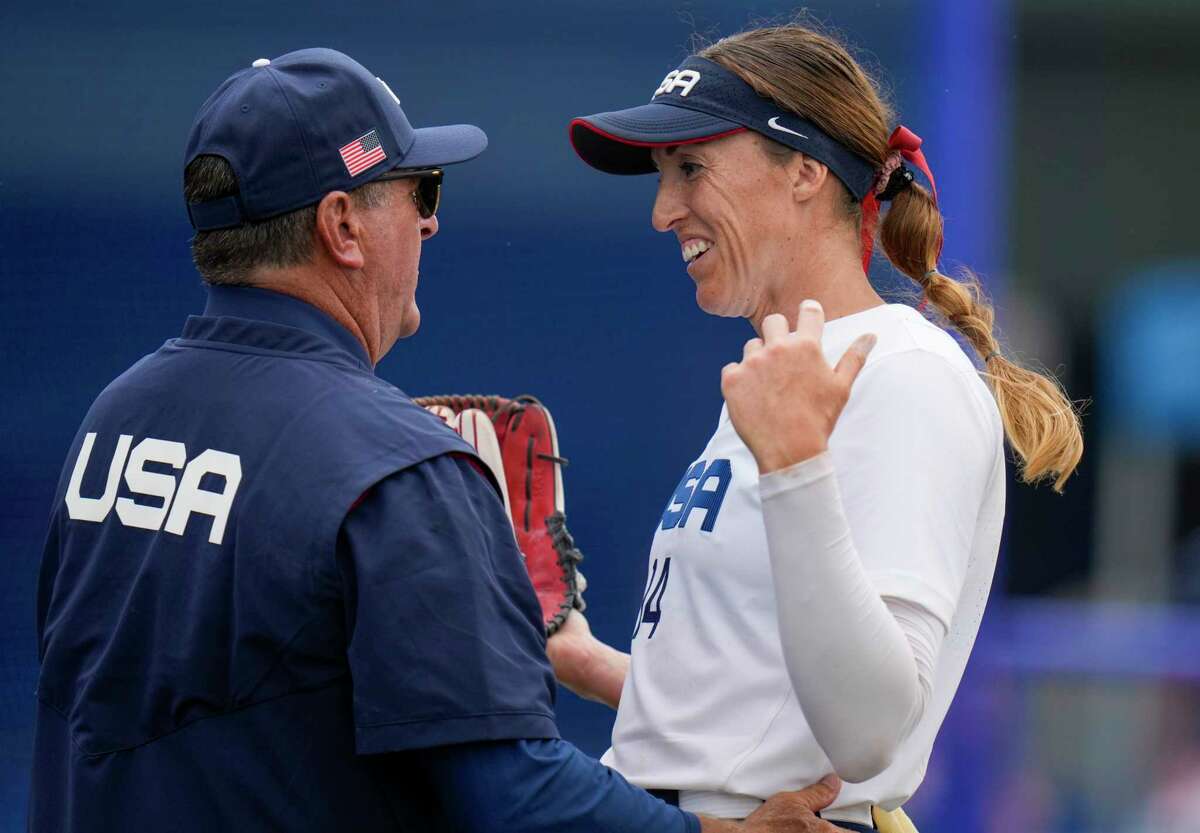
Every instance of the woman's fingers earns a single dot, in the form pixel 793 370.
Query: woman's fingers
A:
pixel 774 327
pixel 811 320
pixel 752 346
pixel 854 358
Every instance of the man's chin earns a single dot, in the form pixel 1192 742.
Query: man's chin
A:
pixel 411 323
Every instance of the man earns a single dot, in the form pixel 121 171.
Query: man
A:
pixel 275 593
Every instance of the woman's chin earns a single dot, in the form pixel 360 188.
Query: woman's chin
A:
pixel 716 303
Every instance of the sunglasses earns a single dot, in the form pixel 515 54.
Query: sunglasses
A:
pixel 429 188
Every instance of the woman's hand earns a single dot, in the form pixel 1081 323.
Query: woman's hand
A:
pixel 584 664
pixel 784 399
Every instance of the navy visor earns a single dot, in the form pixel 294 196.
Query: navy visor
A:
pixel 698 102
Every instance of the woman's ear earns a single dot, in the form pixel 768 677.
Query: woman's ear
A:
pixel 807 175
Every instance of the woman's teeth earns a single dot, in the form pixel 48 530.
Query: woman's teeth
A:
pixel 694 248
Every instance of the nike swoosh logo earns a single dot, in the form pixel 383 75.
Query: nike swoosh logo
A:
pixel 774 122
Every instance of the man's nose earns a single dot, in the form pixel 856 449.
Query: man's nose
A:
pixel 428 226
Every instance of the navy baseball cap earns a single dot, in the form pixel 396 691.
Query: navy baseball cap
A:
pixel 698 102
pixel 306 123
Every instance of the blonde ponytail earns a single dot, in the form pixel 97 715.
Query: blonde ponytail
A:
pixel 1041 423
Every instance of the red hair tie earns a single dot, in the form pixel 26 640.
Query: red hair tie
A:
pixel 908 145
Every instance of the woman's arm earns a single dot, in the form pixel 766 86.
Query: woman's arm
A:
pixel 913 458
pixel 584 664
pixel 852 660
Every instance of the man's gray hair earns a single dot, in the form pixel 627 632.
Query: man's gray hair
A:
pixel 229 257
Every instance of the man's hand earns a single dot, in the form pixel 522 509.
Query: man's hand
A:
pixel 786 812
pixel 784 399
pixel 584 664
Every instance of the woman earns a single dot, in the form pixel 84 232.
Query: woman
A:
pixel 819 575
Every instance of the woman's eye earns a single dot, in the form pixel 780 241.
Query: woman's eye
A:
pixel 689 168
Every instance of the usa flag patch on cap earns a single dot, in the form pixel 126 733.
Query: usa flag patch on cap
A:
pixel 362 153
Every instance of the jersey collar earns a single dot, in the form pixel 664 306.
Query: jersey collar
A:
pixel 272 321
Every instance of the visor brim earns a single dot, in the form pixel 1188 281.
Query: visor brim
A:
pixel 619 142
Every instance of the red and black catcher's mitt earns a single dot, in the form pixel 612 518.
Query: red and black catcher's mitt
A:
pixel 516 439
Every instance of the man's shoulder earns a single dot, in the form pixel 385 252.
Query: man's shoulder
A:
pixel 320 404
pixel 187 370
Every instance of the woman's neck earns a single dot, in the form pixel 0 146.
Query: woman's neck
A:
pixel 836 280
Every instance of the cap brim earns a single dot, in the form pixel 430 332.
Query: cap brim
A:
pixel 619 142
pixel 434 147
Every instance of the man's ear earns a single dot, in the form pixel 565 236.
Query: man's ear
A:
pixel 340 229
pixel 807 176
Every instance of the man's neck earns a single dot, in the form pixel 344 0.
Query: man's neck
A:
pixel 352 310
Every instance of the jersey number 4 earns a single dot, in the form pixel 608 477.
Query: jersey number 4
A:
pixel 651 611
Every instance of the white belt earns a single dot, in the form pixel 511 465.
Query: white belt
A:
pixel 718 805
pixel 855 814
pixel 731 806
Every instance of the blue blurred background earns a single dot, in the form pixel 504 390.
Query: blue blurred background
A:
pixel 1060 132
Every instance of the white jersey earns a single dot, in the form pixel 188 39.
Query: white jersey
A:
pixel 708 707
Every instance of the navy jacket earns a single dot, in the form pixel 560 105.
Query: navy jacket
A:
pixel 264 564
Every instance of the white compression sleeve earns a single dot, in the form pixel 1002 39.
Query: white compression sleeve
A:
pixel 861 668
pixel 924 633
